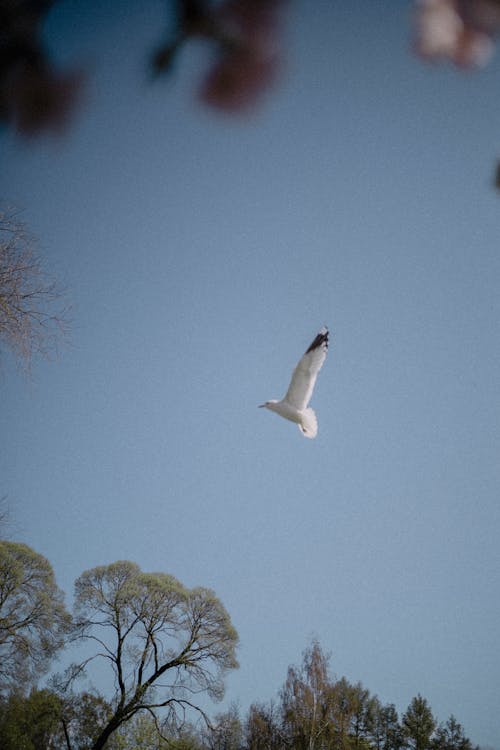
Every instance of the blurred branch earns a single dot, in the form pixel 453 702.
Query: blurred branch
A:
pixel 244 37
pixel 34 96
pixel 460 31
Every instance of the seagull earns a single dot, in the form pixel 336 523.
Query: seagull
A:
pixel 294 405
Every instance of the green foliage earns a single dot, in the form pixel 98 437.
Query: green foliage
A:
pixel 43 719
pixel 386 731
pixel 164 642
pixel 29 723
pixel 142 732
pixel 450 736
pixel 322 713
pixel 33 618
pixel 82 715
pixel 418 724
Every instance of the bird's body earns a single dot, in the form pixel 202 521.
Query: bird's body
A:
pixel 294 406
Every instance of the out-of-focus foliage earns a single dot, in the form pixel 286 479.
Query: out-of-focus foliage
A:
pixel 34 95
pixel 32 318
pixel 33 619
pixel 245 40
pixel 462 32
pixel 244 36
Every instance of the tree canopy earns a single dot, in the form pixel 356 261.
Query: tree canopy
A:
pixel 163 642
pixel 164 645
pixel 33 618
pixel 418 724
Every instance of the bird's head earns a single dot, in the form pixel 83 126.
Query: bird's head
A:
pixel 268 404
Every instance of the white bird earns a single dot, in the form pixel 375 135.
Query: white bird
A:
pixel 294 406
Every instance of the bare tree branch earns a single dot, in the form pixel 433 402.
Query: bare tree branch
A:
pixel 33 316
pixel 149 625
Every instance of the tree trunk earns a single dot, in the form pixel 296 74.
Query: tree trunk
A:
pixel 66 735
pixel 106 733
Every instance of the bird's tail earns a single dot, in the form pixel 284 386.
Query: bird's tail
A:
pixel 309 424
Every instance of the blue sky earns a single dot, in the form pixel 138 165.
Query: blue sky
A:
pixel 201 255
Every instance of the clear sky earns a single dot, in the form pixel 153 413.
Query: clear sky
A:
pixel 201 255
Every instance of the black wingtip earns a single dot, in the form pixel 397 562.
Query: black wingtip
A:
pixel 320 340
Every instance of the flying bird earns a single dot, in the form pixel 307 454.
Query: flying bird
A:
pixel 294 406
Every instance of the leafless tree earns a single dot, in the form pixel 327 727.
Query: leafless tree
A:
pixel 33 315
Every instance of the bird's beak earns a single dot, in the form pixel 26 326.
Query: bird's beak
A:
pixel 261 406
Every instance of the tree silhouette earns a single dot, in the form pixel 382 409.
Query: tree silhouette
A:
pixel 164 643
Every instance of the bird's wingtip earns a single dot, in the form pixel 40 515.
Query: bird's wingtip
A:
pixel 320 340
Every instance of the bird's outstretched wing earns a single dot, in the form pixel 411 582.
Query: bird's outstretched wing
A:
pixel 304 376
